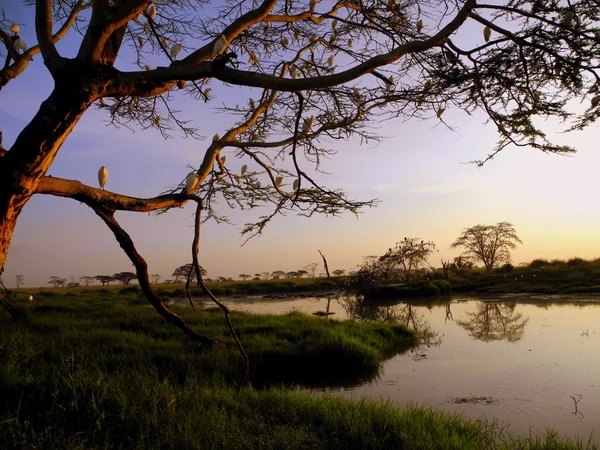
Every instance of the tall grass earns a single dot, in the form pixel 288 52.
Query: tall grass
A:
pixel 108 373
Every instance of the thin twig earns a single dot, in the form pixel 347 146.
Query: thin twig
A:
pixel 195 249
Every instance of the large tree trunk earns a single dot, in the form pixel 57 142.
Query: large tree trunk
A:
pixel 28 160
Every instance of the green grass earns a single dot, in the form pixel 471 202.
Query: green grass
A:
pixel 105 372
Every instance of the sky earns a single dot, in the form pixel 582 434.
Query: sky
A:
pixel 419 172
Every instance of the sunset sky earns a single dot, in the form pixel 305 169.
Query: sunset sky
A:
pixel 418 172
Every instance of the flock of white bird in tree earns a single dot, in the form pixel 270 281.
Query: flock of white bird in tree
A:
pixel 220 46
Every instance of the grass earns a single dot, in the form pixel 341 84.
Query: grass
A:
pixel 105 372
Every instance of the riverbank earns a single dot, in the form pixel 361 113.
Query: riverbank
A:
pixel 101 371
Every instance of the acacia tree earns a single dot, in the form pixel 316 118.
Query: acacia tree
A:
pixel 490 244
pixel 124 277
pixel 57 281
pixel 407 258
pixel 20 279
pixel 323 72
pixel 244 276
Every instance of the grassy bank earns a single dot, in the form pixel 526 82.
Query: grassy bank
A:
pixel 107 372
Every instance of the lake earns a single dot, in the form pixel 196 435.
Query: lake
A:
pixel 529 362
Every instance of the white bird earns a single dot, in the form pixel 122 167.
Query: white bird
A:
pixel 334 24
pixel 220 46
pixel 175 50
pixel 266 28
pixel 30 298
pixel 350 43
pixel 595 101
pixel 141 41
pixel 330 61
pixel 307 125
pixel 567 18
pixel 190 181
pixel 285 42
pixel 356 93
pixel 207 91
pixel 165 41
pixel 266 46
pixel 389 85
pixel 419 26
pixel 223 160
pixel 253 58
pixel 157 120
pixel 151 11
pixel 296 184
pixel 102 102
pixel 15 28
pixel 278 181
pixel 439 112
pixel 244 170
pixel 252 103
pixel 216 137
pixel 20 45
pixel 487 33
pixel 102 176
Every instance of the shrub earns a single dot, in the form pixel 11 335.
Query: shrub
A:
pixel 539 263
pixel 130 290
pixel 444 287
pixel 576 262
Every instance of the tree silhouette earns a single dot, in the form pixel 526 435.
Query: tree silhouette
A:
pixel 495 321
pixel 20 279
pixel 155 278
pixel 339 272
pixel 104 279
pixel 124 277
pixel 57 281
pixel 312 74
pixel 184 271
pixel 490 244
pixel 244 276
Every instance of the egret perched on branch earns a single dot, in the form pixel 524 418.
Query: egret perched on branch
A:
pixel 19 45
pixel 419 26
pixel 151 11
pixel 307 125
pixel 252 103
pixel 567 18
pixel 350 43
pixel 190 181
pixel 330 61
pixel 244 170
pixel 175 50
pixel 15 28
pixel 102 176
pixel 278 181
pixel 141 41
pixel 220 46
pixel 285 42
pixel 439 112
pixel 296 184
pixel 253 58
pixel 487 33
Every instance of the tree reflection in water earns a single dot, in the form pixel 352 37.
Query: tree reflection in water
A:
pixel 495 321
pixel 404 313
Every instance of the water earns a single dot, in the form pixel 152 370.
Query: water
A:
pixel 519 361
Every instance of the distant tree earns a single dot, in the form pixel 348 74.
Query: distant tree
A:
pixel 20 281
pixel 104 279
pixel 462 263
pixel 266 275
pixel 311 269
pixel 169 281
pixel 257 276
pixel 338 272
pixel 244 276
pixel 57 281
pixel 221 279
pixel 490 244
pixel 155 278
pixel 183 272
pixel 124 277
pixel 407 258
pixel 291 274
pixel 278 274
pixel 301 273
pixel 86 280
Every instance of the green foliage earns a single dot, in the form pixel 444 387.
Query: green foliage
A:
pixel 445 287
pixel 130 290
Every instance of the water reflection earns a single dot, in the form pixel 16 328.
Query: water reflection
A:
pixel 495 321
pixel 405 313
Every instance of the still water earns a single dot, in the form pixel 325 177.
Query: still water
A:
pixel 525 361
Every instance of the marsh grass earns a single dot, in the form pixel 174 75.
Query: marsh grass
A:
pixel 105 372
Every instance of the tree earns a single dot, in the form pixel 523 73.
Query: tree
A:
pixel 408 257
pixel 86 280
pixel 265 275
pixel 399 60
pixel 155 278
pixel 278 274
pixel 20 280
pixel 184 271
pixel 104 279
pixel 300 273
pixel 311 269
pixel 244 276
pixel 339 272
pixel 57 281
pixel 124 277
pixel 490 244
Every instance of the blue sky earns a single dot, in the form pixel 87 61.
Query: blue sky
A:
pixel 418 173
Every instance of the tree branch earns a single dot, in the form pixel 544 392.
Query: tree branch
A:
pixel 142 274
pixel 43 30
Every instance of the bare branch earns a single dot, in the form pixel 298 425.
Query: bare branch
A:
pixel 43 29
